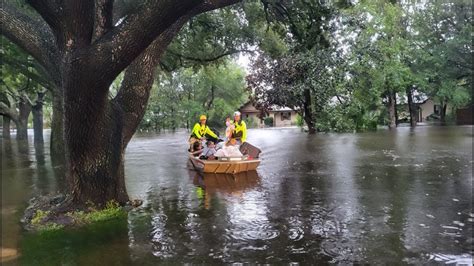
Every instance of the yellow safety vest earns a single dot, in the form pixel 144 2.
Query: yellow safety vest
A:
pixel 200 131
pixel 240 131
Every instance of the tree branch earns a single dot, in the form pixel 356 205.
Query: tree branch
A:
pixel 48 10
pixel 139 76
pixel 121 45
pixel 31 35
pixel 103 17
pixel 71 21
pixel 8 112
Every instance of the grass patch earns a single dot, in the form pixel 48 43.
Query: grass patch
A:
pixel 39 222
pixel 39 217
pixel 112 210
pixel 45 221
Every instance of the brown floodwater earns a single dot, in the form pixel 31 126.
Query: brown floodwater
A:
pixel 387 197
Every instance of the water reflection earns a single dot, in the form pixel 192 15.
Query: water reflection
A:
pixel 232 185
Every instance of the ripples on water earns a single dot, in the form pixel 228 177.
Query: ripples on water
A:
pixel 382 198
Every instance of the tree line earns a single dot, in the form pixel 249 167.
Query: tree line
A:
pixel 371 58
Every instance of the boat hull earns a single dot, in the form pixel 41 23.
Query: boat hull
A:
pixel 223 167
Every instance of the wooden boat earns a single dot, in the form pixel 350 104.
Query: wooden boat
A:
pixel 225 165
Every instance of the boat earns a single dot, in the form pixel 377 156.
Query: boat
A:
pixel 229 165
pixel 225 165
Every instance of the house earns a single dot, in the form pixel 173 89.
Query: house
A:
pixel 281 116
pixel 251 114
pixel 428 108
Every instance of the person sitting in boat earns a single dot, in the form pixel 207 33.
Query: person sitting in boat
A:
pixel 208 151
pixel 230 149
pixel 201 132
pixel 240 129
pixel 196 148
pixel 229 128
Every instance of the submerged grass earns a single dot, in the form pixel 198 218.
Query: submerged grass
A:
pixel 44 221
pixel 112 210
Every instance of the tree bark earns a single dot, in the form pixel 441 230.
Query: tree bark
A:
pixel 6 127
pixel 308 113
pixel 57 143
pixel 24 107
pixel 411 107
pixel 392 110
pixel 37 111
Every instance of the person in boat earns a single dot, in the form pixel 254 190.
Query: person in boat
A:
pixel 202 132
pixel 208 151
pixel 230 149
pixel 196 148
pixel 240 129
pixel 229 128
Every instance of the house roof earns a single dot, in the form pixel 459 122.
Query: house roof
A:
pixel 273 108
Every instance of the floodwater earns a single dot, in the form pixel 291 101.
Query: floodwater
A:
pixel 388 197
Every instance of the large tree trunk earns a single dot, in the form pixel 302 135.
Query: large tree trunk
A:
pixel 87 55
pixel 308 113
pixel 392 110
pixel 37 111
pixel 57 143
pixel 98 130
pixel 6 127
pixel 411 107
pixel 93 135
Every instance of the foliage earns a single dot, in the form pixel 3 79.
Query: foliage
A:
pixel 251 122
pixel 299 121
pixel 366 52
pixel 179 98
pixel 268 121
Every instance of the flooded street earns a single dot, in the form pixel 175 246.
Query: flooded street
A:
pixel 381 198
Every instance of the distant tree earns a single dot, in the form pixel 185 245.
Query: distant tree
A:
pixel 179 98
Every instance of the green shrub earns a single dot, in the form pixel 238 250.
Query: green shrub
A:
pixel 268 121
pixel 299 120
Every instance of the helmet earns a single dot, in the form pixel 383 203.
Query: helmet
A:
pixel 203 117
pixel 236 113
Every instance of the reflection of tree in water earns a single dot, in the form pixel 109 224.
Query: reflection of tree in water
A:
pixel 101 243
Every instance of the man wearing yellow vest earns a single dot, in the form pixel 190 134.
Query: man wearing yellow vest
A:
pixel 201 131
pixel 240 129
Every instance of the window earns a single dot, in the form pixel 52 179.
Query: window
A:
pixel 285 116
pixel 437 109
